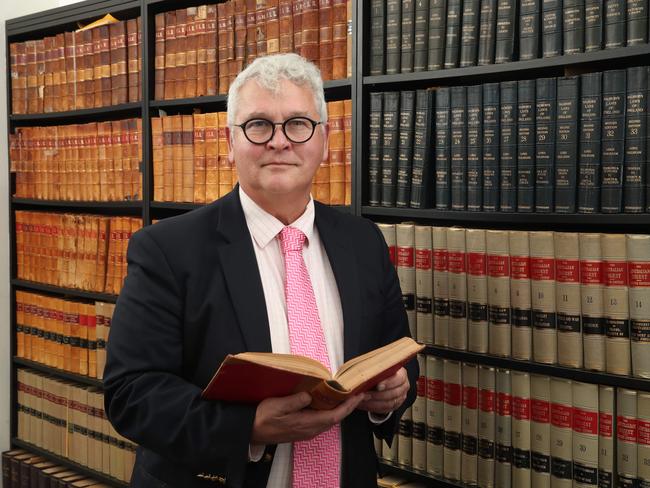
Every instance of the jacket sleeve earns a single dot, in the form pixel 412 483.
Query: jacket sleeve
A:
pixel 147 397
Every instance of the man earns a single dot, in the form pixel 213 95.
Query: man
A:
pixel 263 269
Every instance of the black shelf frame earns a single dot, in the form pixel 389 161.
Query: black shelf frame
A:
pixel 132 109
pixel 82 205
pixel 59 373
pixel 63 292
pixel 101 477
pixel 387 467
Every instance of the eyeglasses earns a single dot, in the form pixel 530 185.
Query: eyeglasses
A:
pixel 296 129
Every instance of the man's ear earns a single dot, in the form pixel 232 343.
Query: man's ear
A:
pixel 231 154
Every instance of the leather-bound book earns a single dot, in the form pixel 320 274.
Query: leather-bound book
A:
pixel 347 134
pixel 177 157
pixel 593 25
pixel 251 31
pixel 58 77
pixel 225 167
pixel 337 152
pixel 105 63
pixel 211 44
pixel 573 20
pixel 199 158
pixel 297 25
pixel 31 95
pixel 133 74
pixel 407 35
pixel 437 34
pixel 529 29
pixel 80 72
pixel 240 35
pixel 310 30
pixel 119 86
pixel 566 143
pixel 469 37
pixel 285 19
pixel 181 52
pixel 272 27
pixel 339 39
pixel 589 155
pixel 222 49
pixel 168 160
pixel 405 148
pixel 211 156
pixel 260 27
pixel 634 178
pixel 97 67
pixel 170 55
pixel 613 140
pixel 544 178
pixel 191 57
pixel 40 70
pixel 200 26
pixel 187 124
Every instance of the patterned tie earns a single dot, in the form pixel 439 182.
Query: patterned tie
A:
pixel 316 462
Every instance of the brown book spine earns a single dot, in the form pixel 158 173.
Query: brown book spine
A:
pixel 105 56
pixel 32 79
pixel 212 46
pixel 260 22
pixel 325 38
pixel 272 27
pixel 89 70
pixel 132 59
pixel 97 67
pixel 222 49
pixel 119 80
pixel 192 45
pixel 181 52
pixel 168 160
pixel 48 88
pixel 68 92
pixel 80 72
pixel 40 70
pixel 240 36
pixel 201 50
pixel 297 26
pixel 310 29
pixel 211 156
pixel 159 56
pixel 59 78
pixel 19 84
pixel 339 39
pixel 170 55
pixel 177 158
pixel 349 39
pixel 138 162
pixel 13 68
pixel 231 66
pixel 225 168
pixel 157 141
pixel 139 55
pixel 199 158
pixel 251 32
pixel 286 26
pixel 187 122
pixel 337 152
pixel 347 124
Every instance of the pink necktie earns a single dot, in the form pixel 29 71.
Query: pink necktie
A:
pixel 316 462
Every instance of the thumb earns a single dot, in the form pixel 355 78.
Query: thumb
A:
pixel 295 402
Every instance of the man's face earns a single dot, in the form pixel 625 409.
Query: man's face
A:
pixel 279 168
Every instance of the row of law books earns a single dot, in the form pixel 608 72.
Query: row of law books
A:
pixel 86 252
pixel 98 161
pixel 65 334
pixel 580 300
pixel 68 420
pixel 200 50
pixel 89 68
pixel 485 426
pixel 563 145
pixel 22 468
pixel 408 36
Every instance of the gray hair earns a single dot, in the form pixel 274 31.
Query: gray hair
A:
pixel 267 71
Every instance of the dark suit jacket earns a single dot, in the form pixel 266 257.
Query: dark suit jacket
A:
pixel 193 295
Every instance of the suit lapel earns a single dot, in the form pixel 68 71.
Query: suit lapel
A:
pixel 345 270
pixel 242 275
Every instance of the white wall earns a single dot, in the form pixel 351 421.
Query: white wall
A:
pixel 8 10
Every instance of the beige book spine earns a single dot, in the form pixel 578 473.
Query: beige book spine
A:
pixel 643 438
pixel 542 287
pixel 561 433
pixel 585 435
pixel 638 256
pixel 498 259
pixel 626 437
pixel 591 301
pixel 615 304
pixel 435 415
pixel 457 259
pixel 521 416
pixel 405 234
pixel 540 431
pixel 390 452
pixel 388 231
pixel 419 414
pixel 440 287
pixel 469 456
pixel 424 284
pixel 477 293
pixel 567 296
pixel 405 441
pixel 606 430
pixel 522 332
pixel 452 420
pixel 503 467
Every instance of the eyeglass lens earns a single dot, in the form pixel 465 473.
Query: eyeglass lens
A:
pixel 296 129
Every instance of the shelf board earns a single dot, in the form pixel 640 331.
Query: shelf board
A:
pixel 69 463
pixel 331 84
pixel 539 368
pixel 187 102
pixel 452 216
pixel 177 205
pixel 77 378
pixel 127 110
pixel 81 205
pixel 388 467
pixel 515 67
pixel 31 285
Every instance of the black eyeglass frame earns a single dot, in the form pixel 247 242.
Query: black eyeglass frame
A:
pixel 284 131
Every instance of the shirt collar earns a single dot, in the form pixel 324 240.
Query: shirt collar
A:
pixel 264 227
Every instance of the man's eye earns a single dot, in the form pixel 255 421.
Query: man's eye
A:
pixel 257 124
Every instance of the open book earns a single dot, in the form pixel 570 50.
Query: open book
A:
pixel 250 377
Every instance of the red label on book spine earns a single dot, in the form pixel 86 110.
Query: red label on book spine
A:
pixel 521 408
pixel 452 394
pixel 487 398
pixel 561 415
pixel 591 272
pixel 470 397
pixel 541 411
pixel 615 273
pixel 477 263
pixel 643 433
pixel 639 274
pixel 435 390
pixel 520 267
pixel 405 257
pixel 504 404
pixel 423 259
pixel 626 429
pixel 542 268
pixel 422 386
pixel 440 260
pixel 567 270
pixel 456 262
pixel 605 424
pixel 585 422
pixel 498 265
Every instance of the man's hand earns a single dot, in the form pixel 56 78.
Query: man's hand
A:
pixel 387 395
pixel 288 419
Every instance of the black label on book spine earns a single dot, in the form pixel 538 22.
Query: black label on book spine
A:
pixel 452 440
pixel 541 462
pixel 640 330
pixel 625 481
pixel 457 309
pixel 486 449
pixel 441 307
pixel 435 435
pixel 617 327
pixel 561 468
pixel 544 320
pixel 585 474
pixel 419 430
pixel 499 315
pixel 470 445
pixel 521 459
pixel 423 305
pixel 478 312
pixel 522 317
pixel 405 427
pixel 504 453
pixel 568 323
pixel 409 301
pixel 593 325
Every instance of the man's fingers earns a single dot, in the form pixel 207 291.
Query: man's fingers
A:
pixel 397 379
pixel 294 403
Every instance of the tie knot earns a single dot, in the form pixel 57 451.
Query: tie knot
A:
pixel 291 239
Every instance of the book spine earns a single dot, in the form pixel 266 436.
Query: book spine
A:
pixel 498 268
pixel 419 414
pixel 469 33
pixel 421 36
pixel 408 36
pixel 377 37
pixel 457 259
pixel 324 41
pixel 486 426
pixel 405 148
pixel 422 167
pixel 643 438
pixel 452 34
pixel 585 434
pixel 406 270
pixel 566 144
pixel 522 320
pixel 545 125
pixel 529 29
pixel 458 136
pixel 388 232
pixel 440 286
pixel 435 415
pixel 593 25
pixel 636 114
pixel 589 155
pixel 561 433
pixel 613 141
pixel 437 34
pixel 376 139
pixel 540 430
pixel 542 286
pixel 638 256
pixel 637 22
pixel 405 438
pixel 508 147
pixel 573 20
pixel 443 148
pixel 647 190
pixel 591 293
pixel 452 420
pixel 606 430
pixel 521 429
pixel 551 28
pixel 469 456
pixel 526 145
pixel 504 458
pixel 505 33
pixel 474 149
pixel 477 293
pixel 424 284
pixel 487 32
pixel 390 131
pixel 490 143
pixel 626 437
pixel 567 274
pixel 615 23
pixel 393 36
